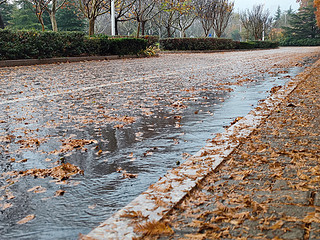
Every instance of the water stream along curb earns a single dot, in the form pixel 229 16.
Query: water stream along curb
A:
pixel 159 199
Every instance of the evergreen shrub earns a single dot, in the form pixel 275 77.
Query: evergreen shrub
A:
pixel 257 44
pixel 212 44
pixel 301 42
pixel 192 44
pixel 37 45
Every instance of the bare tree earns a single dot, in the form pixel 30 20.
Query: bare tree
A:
pixel 92 9
pixel 52 10
pixel 123 7
pixel 167 17
pixel 222 15
pixel 257 21
pixel 205 10
pixel 143 11
pixel 186 16
pixel 40 6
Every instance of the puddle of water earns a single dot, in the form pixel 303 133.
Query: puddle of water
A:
pixel 148 147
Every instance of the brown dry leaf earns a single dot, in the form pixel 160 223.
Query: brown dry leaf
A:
pixel 312 217
pixel 26 219
pixel 132 214
pixel 37 189
pixel 61 172
pixel 277 225
pixel 93 206
pixel 59 193
pixel 129 175
pixel 154 228
pixel 9 195
pixel 5 205
pixel 71 144
pixel 84 237
pixel 196 236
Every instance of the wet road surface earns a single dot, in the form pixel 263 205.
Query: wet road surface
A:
pixel 143 116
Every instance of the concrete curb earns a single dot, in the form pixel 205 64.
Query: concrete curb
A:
pixel 159 199
pixel 29 62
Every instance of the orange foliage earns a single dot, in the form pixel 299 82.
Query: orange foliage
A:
pixel 317 5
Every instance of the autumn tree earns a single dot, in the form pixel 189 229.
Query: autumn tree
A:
pixel 317 6
pixel 167 17
pixel 122 13
pixel 23 16
pixel 92 9
pixel 205 10
pixel 256 21
pixel 186 16
pixel 40 7
pixel 142 12
pixel 222 14
pixel 52 9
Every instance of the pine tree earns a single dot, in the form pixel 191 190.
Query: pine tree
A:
pixel 277 18
pixel 5 13
pixel 23 17
pixel 69 18
pixel 303 24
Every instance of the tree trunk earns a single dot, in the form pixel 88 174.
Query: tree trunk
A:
pixel 91 26
pixel 138 30
pixel 116 27
pixel 41 22
pixel 1 23
pixel 169 32
pixel 53 21
pixel 143 26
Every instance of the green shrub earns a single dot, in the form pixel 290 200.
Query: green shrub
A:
pixel 34 44
pixel 196 44
pixel 212 44
pixel 151 40
pixel 123 46
pixel 256 44
pixel 301 42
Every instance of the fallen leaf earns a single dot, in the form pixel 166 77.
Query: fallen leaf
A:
pixel 26 219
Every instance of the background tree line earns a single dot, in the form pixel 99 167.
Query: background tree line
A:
pixel 166 18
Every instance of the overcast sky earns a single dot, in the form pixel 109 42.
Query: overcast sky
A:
pixel 272 5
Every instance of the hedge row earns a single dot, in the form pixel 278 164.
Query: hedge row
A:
pixel 196 44
pixel 257 44
pixel 192 44
pixel 152 40
pixel 33 44
pixel 301 42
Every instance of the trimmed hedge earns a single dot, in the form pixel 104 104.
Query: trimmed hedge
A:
pixel 33 44
pixel 152 40
pixel 257 44
pixel 185 44
pixel 301 42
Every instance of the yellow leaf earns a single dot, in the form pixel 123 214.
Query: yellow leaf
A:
pixel 277 225
pixel 26 219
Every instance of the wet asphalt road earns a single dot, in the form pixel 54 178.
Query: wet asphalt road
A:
pixel 143 115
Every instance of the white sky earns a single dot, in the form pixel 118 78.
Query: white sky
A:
pixel 272 5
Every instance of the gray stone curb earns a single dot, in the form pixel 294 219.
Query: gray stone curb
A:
pixel 28 62
pixel 159 199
